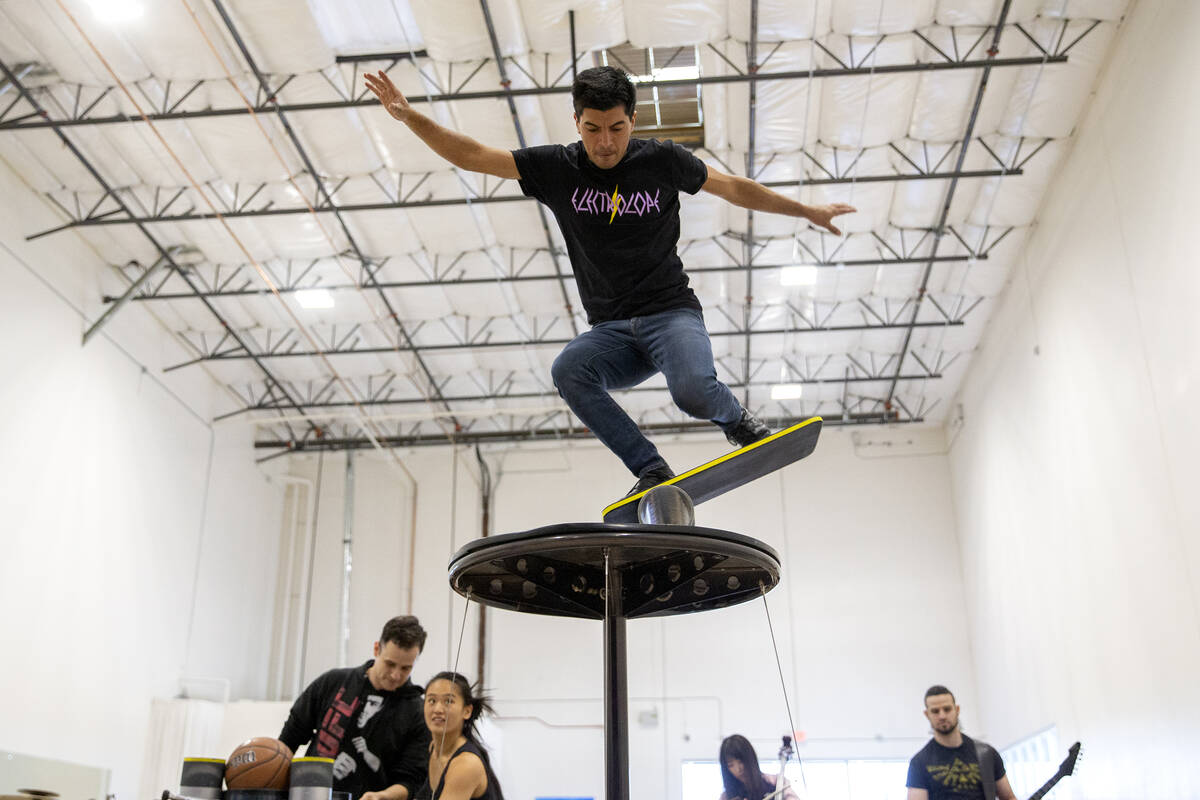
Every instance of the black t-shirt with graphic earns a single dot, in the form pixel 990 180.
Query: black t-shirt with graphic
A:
pixel 621 225
pixel 951 773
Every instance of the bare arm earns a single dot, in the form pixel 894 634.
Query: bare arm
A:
pixel 461 151
pixel 756 197
pixel 396 791
pixel 464 778
pixel 917 794
pixel 1004 790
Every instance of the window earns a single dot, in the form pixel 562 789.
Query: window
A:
pixel 1033 761
pixel 664 112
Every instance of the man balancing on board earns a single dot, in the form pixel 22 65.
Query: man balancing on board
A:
pixel 616 200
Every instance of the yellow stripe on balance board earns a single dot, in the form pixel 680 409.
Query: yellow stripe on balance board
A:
pixel 733 469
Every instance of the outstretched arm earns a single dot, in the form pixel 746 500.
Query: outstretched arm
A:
pixel 756 197
pixel 461 151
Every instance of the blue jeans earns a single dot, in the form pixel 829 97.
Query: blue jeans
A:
pixel 623 353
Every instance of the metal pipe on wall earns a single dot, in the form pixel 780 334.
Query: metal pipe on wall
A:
pixel 412 547
pixel 347 562
pixel 286 655
pixel 485 524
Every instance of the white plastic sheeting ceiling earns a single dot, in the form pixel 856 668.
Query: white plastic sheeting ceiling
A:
pixel 180 55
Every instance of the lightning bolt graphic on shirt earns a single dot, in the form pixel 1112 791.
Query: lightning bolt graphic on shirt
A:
pixel 616 202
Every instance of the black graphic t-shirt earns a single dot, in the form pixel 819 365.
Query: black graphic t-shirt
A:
pixel 376 738
pixel 951 773
pixel 621 225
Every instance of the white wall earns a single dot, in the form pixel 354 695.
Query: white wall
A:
pixel 135 537
pixel 1074 471
pixel 870 612
pixel 447 516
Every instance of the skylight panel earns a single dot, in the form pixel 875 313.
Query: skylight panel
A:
pixel 664 112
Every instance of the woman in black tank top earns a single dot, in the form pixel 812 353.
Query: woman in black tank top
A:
pixel 458 764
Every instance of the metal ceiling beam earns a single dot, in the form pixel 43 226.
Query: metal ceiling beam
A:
pixel 535 91
pixel 239 355
pixel 918 176
pixel 399 55
pixel 554 434
pixel 164 253
pixel 119 302
pixel 328 199
pixel 939 230
pixel 516 121
pixel 326 207
pixel 749 244
pixel 552 395
pixel 506 279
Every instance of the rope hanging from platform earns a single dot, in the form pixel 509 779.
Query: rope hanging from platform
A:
pixel 786 703
pixel 457 655
pixel 462 628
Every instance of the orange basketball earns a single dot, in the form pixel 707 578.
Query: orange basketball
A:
pixel 261 763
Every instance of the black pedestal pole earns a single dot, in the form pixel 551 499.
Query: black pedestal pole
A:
pixel 616 687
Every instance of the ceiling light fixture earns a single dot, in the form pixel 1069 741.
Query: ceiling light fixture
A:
pixel 800 275
pixel 117 10
pixel 787 391
pixel 314 298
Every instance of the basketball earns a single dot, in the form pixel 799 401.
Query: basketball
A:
pixel 261 763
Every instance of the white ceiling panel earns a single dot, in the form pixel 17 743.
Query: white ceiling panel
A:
pixel 598 24
pixel 874 17
pixel 652 23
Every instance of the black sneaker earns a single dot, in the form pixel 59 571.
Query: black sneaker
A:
pixel 748 430
pixel 651 478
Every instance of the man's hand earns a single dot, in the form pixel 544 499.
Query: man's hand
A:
pixel 395 102
pixel 822 216
pixel 394 792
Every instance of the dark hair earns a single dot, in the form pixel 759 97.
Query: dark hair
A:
pixel 755 785
pixel 603 88
pixel 404 631
pixel 937 689
pixel 472 696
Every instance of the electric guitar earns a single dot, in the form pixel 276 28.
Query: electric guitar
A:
pixel 1066 768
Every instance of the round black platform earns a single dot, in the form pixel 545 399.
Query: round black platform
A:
pixel 663 569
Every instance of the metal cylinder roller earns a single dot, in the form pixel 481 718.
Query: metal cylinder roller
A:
pixel 666 505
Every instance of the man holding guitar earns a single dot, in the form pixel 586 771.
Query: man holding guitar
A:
pixel 953 766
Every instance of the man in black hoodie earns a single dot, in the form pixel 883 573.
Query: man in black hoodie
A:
pixel 369 719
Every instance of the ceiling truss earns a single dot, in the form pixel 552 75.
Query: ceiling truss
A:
pixel 416 404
